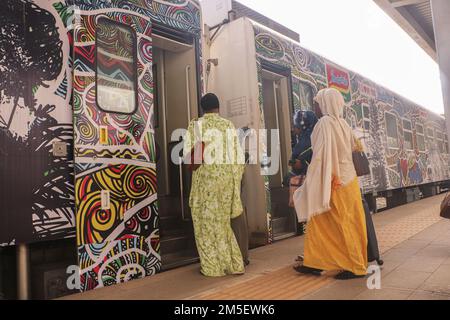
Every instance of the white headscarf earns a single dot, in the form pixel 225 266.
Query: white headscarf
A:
pixel 332 143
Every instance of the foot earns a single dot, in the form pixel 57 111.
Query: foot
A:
pixel 246 262
pixel 308 270
pixel 347 275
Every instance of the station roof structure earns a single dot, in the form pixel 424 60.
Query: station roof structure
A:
pixel 416 18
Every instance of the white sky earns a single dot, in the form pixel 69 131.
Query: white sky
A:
pixel 358 35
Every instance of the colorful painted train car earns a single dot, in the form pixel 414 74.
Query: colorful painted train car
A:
pixel 263 77
pixel 87 105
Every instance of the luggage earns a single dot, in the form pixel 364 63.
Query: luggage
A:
pixel 445 207
pixel 240 230
pixel 361 163
pixel 373 253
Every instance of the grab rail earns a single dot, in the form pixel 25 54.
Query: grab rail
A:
pixel 188 92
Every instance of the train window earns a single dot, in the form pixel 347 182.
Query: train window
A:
pixel 366 112
pixel 409 141
pixel 421 143
pixel 419 129
pixel 420 138
pixel 407 125
pixel 392 130
pixel 440 141
pixel 446 143
pixel 407 135
pixel 358 110
pixel 366 117
pixel 116 67
pixel 306 96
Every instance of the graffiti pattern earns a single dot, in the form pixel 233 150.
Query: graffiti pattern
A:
pixel 407 149
pixel 36 186
pixel 48 84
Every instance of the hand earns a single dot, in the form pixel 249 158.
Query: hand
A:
pixel 296 165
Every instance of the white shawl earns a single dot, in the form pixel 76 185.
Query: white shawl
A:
pixel 332 142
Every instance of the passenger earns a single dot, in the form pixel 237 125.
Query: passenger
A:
pixel 330 199
pixel 304 123
pixel 215 194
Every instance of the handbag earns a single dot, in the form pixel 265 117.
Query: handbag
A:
pixel 361 163
pixel 445 207
pixel 196 155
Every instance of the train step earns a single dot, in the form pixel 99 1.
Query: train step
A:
pixel 179 259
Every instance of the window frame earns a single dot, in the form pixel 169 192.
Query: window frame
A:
pixel 135 59
pixel 387 131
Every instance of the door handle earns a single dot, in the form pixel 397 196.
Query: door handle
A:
pixel 188 92
pixel 183 211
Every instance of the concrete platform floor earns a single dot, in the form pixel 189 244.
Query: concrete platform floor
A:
pixel 414 240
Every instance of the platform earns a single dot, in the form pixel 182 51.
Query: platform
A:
pixel 414 240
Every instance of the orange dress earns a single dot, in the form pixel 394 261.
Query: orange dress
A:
pixel 337 239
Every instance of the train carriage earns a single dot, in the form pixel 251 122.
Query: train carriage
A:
pixel 263 77
pixel 87 107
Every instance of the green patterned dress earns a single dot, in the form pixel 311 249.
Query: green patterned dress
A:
pixel 215 198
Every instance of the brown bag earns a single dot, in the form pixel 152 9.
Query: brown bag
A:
pixel 361 163
pixel 196 156
pixel 445 207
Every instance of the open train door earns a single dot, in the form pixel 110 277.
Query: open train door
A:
pixel 115 183
pixel 175 71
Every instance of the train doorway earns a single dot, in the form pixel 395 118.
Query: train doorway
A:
pixel 277 115
pixel 176 101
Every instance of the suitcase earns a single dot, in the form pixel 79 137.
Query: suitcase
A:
pixel 373 253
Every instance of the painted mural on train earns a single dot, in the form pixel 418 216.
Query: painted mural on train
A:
pixel 35 111
pixel 105 47
pixel 406 144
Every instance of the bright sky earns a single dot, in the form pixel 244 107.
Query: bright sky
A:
pixel 358 35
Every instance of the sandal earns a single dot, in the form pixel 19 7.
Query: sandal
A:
pixel 347 275
pixel 308 270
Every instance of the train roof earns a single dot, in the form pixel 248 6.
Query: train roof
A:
pixel 295 43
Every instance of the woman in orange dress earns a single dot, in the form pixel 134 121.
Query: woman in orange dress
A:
pixel 330 199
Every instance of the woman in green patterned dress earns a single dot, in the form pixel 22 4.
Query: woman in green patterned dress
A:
pixel 216 188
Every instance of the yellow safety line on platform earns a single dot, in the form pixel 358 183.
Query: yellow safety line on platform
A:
pixel 286 284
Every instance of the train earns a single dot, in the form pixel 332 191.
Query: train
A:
pixel 90 92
